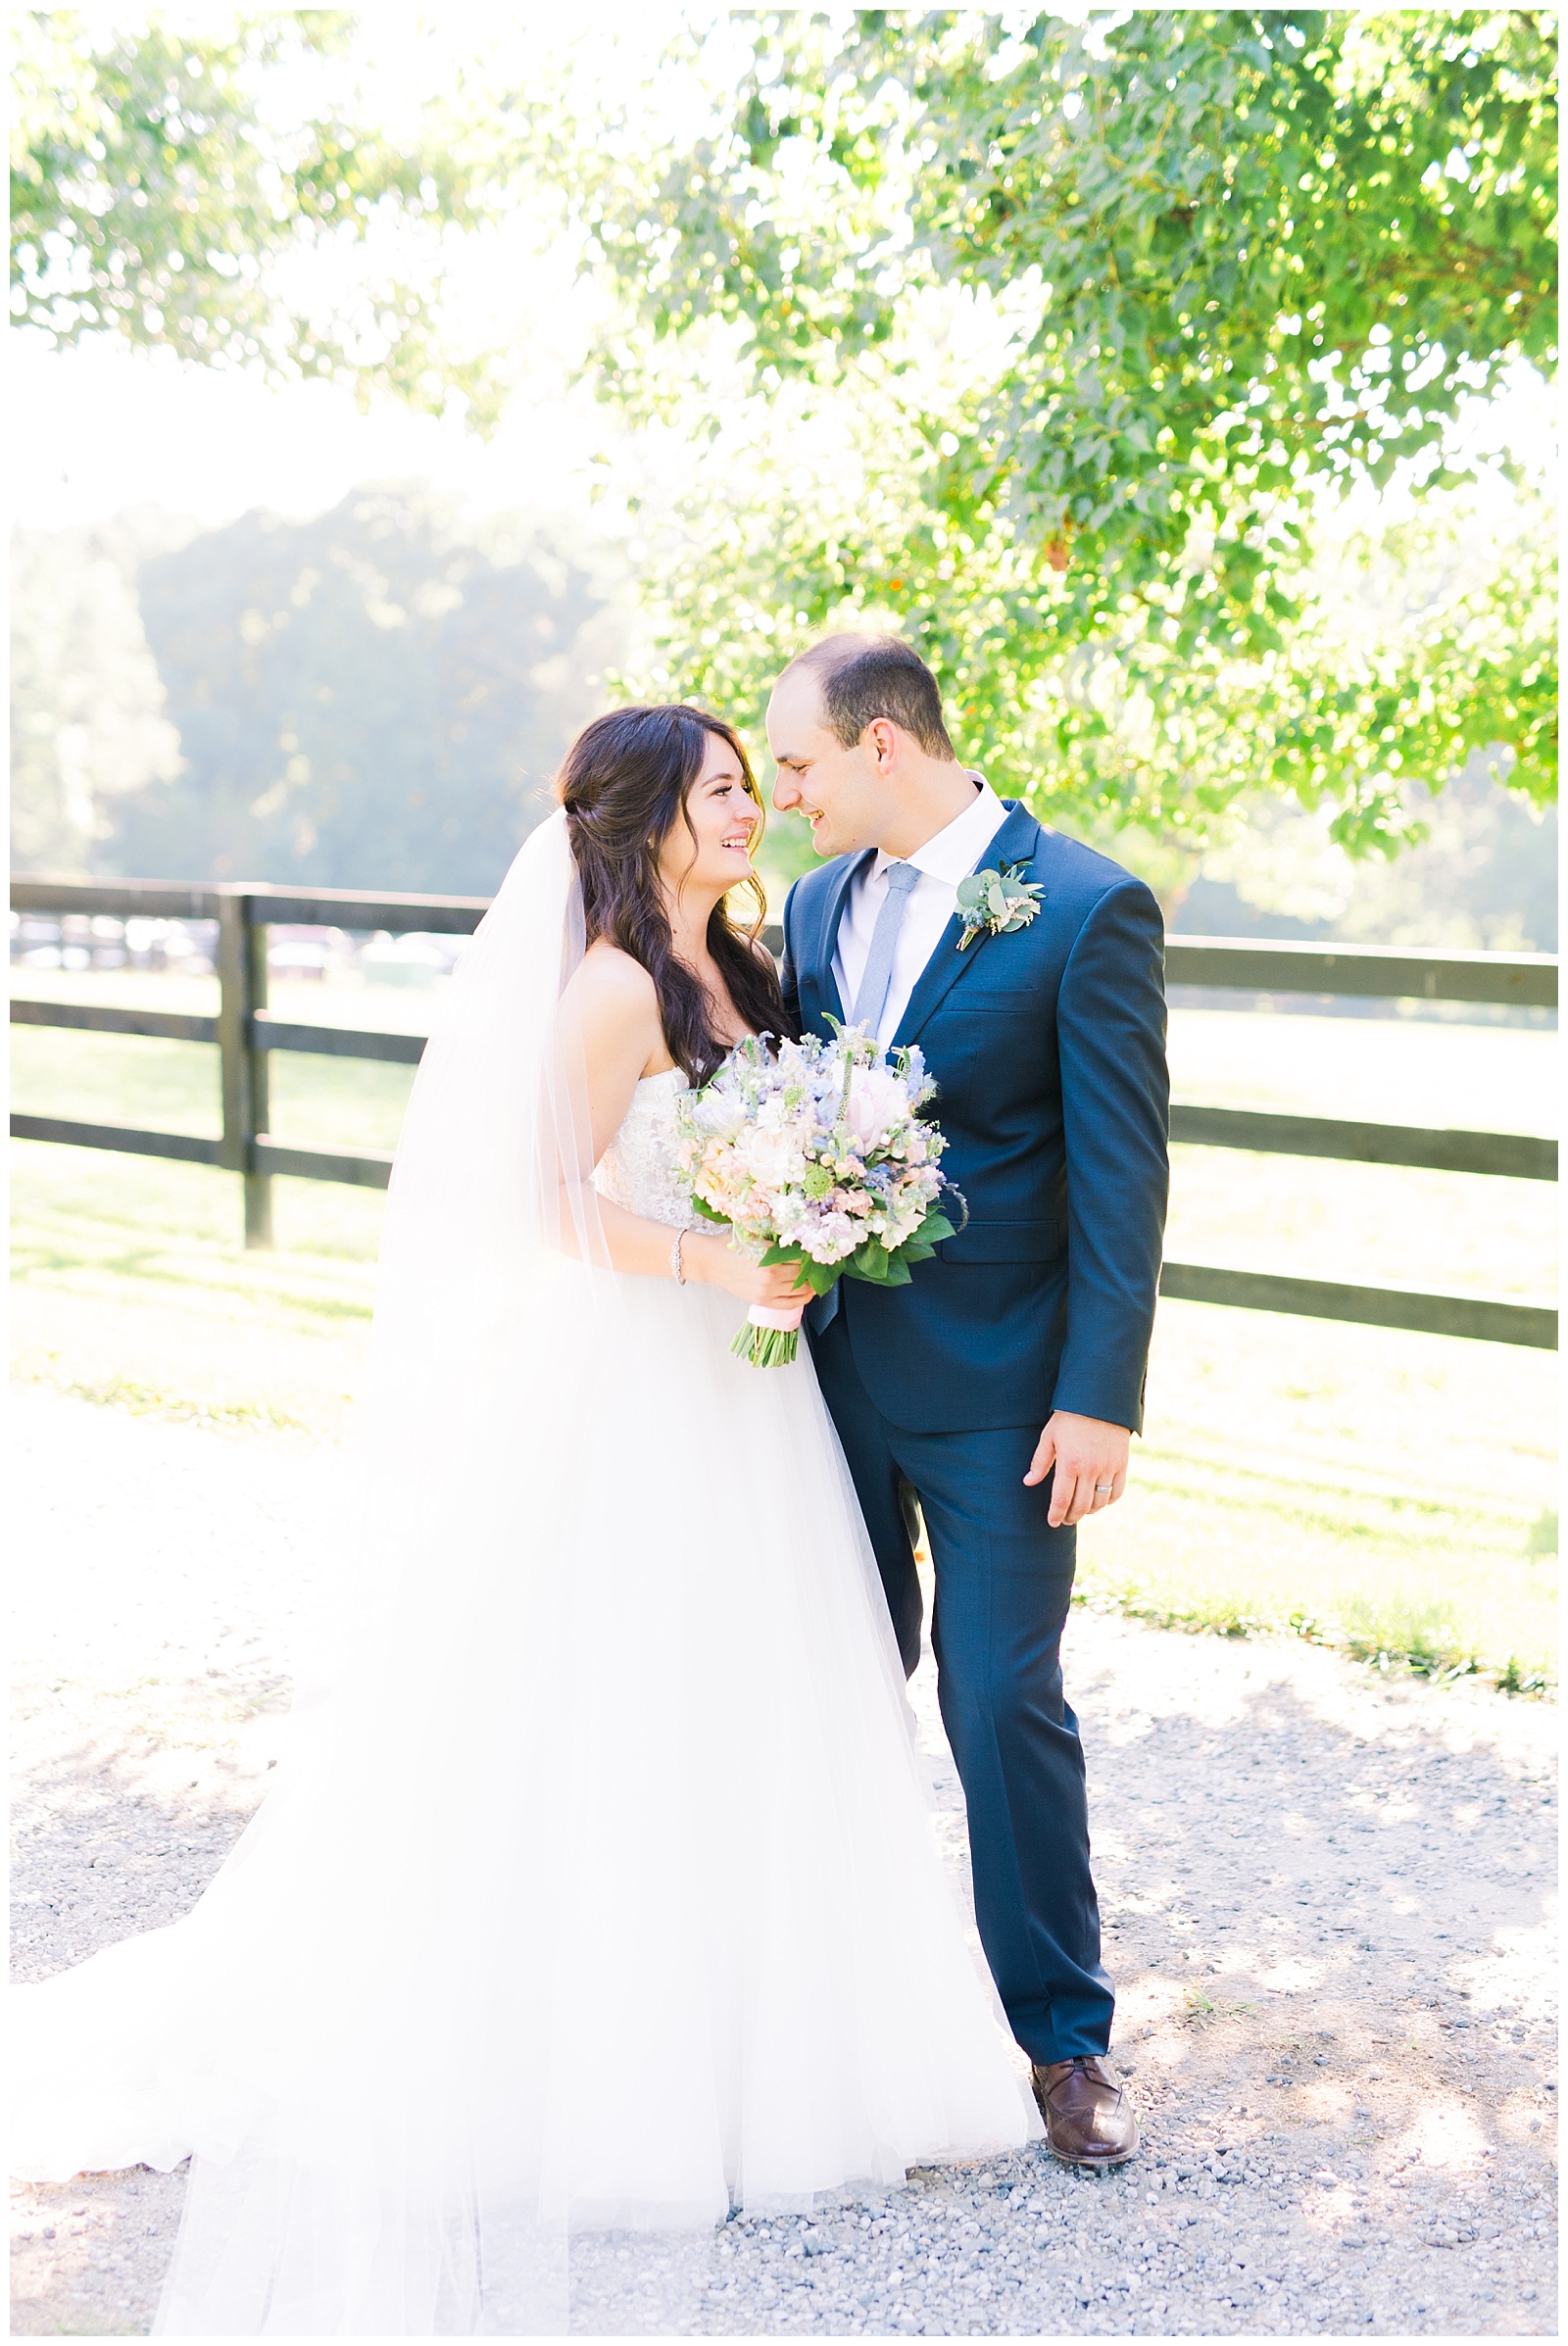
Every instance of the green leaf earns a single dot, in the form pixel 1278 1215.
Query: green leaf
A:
pixel 778 1256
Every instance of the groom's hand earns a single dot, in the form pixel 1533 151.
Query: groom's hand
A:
pixel 1090 1457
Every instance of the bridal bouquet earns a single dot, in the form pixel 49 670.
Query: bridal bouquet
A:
pixel 815 1155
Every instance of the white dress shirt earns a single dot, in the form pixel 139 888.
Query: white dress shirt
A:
pixel 950 857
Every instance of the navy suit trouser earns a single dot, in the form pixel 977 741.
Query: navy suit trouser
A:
pixel 1004 1583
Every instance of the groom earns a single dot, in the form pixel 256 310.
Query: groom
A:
pixel 1000 1390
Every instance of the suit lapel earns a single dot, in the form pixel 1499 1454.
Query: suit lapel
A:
pixel 828 935
pixel 1015 842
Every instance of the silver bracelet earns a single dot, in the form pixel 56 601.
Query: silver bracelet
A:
pixel 677 1270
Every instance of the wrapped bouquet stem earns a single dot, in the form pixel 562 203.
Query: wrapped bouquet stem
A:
pixel 815 1154
pixel 769 1335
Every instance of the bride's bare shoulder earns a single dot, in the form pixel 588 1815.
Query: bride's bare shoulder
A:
pixel 612 980
pixel 616 1005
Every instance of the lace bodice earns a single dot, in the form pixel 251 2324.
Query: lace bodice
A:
pixel 638 1168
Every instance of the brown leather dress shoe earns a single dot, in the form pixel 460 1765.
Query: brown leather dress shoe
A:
pixel 1089 2120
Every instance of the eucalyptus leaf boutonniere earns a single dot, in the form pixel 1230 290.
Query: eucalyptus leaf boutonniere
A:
pixel 993 903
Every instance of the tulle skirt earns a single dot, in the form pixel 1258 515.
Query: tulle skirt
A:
pixel 596 1894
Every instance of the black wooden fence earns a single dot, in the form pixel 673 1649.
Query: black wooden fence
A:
pixel 246 1034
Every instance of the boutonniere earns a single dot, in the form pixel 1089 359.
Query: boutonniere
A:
pixel 993 903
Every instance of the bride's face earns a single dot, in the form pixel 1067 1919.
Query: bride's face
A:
pixel 723 814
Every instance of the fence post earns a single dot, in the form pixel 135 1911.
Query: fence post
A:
pixel 242 992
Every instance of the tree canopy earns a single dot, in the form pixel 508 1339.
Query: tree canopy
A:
pixel 1231 266
pixel 1120 360
pixel 160 175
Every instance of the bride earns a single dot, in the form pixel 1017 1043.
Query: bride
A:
pixel 597 1895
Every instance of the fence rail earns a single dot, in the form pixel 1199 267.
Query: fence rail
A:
pixel 1390 972
pixel 246 1034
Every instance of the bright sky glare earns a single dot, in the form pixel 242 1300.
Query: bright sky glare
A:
pixel 105 428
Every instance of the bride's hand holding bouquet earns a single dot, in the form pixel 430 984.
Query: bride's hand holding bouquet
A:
pixel 817 1157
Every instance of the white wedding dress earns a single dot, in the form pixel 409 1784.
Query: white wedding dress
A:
pixel 598 1894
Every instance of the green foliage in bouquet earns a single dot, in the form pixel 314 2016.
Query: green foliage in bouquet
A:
pixel 871 1261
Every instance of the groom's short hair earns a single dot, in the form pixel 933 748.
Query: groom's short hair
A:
pixel 862 677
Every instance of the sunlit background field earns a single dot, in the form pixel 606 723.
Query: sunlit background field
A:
pixel 1388 1492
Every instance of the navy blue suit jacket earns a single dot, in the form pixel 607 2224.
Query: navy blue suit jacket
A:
pixel 1049 1050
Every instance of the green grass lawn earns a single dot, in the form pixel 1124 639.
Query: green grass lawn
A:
pixel 1387 1493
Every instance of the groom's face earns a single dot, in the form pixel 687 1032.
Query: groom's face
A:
pixel 844 794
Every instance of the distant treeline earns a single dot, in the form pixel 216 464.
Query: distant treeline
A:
pixel 379 697
pixel 376 698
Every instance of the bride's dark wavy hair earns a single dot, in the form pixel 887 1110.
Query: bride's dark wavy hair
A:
pixel 624 785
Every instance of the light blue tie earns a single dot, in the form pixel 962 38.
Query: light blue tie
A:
pixel 872 999
pixel 869 1004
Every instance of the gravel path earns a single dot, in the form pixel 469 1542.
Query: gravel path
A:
pixel 1328 1907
